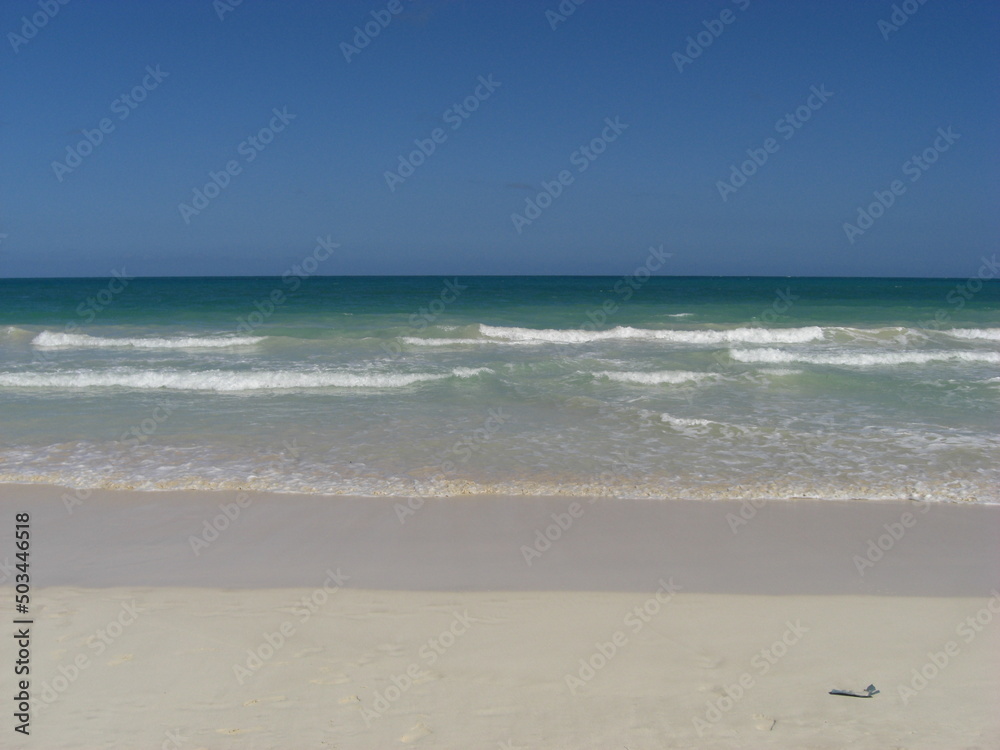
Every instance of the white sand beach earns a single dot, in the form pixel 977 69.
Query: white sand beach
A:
pixel 326 622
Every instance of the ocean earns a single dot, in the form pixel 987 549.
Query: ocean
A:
pixel 635 386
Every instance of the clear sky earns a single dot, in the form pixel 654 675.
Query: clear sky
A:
pixel 198 87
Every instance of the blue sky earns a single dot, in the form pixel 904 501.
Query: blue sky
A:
pixel 217 82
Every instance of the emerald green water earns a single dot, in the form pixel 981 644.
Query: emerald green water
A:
pixel 627 386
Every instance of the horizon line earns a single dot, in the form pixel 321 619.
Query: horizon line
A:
pixel 487 276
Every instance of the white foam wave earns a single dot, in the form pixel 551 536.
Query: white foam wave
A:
pixel 469 372
pixel 223 380
pixel 671 377
pixel 900 335
pixel 685 421
pixel 579 336
pixel 55 340
pixel 859 359
pixel 990 334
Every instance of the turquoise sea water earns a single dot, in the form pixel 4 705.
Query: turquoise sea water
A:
pixel 625 386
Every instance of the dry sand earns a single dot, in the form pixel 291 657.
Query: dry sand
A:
pixel 326 622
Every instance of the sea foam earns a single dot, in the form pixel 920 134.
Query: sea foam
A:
pixel 989 334
pixel 55 340
pixel 223 380
pixel 860 359
pixel 581 336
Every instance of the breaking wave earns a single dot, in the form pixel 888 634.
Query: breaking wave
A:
pixel 55 340
pixel 581 336
pixel 224 380
pixel 859 359
pixel 990 334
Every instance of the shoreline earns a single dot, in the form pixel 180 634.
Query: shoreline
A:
pixel 180 538
pixel 312 621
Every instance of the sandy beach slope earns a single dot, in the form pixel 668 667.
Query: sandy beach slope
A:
pixel 216 620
